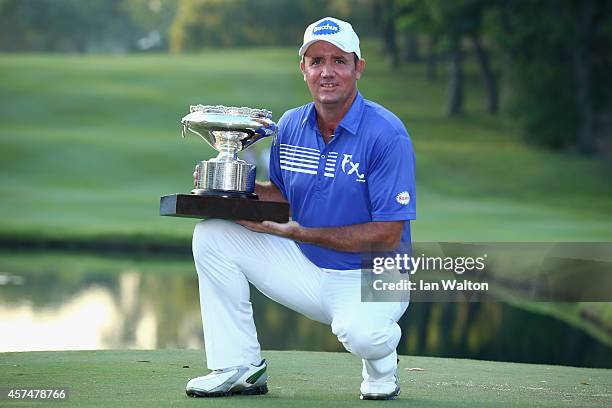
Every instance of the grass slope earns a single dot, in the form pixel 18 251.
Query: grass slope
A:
pixel 89 143
pixel 301 379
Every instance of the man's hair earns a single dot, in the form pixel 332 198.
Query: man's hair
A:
pixel 355 58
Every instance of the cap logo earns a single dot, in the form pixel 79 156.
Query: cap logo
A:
pixel 326 27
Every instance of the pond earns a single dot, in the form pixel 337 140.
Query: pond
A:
pixel 77 301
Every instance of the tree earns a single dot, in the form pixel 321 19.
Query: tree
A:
pixel 559 67
pixel 384 15
pixel 452 22
pixel 448 20
pixel 473 14
pixel 222 23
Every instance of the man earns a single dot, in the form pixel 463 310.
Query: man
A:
pixel 346 167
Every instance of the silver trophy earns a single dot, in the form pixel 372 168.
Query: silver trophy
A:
pixel 224 186
pixel 229 130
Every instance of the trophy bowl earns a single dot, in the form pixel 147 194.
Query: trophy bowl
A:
pixel 225 185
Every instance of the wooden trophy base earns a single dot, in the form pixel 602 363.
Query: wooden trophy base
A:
pixel 207 206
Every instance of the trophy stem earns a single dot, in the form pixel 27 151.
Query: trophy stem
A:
pixel 227 153
pixel 228 144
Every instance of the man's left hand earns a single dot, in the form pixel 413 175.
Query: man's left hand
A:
pixel 288 230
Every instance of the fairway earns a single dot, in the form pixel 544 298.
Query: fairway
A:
pixel 302 379
pixel 89 143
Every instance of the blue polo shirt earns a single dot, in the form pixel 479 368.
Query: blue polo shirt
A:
pixel 366 173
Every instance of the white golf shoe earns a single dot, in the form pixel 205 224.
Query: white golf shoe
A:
pixel 380 389
pixel 246 380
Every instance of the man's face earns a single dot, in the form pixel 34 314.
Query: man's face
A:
pixel 331 74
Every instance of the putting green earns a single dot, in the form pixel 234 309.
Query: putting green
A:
pixel 300 379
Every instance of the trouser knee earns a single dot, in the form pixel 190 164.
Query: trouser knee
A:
pixel 207 235
pixel 368 341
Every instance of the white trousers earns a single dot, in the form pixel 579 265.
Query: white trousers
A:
pixel 228 256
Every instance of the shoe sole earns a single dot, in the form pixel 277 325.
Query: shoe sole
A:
pixel 259 390
pixel 380 397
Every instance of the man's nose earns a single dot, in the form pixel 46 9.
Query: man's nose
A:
pixel 328 70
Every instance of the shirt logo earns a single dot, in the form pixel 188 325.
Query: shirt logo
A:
pixel 326 27
pixel 298 159
pixel 330 164
pixel 403 198
pixel 353 167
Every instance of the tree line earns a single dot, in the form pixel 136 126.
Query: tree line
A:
pixel 546 62
pixel 77 26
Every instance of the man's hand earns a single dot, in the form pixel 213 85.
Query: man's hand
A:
pixel 196 170
pixel 289 229
pixel 268 127
pixel 370 236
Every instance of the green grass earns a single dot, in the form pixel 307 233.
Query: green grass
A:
pixel 301 379
pixel 88 144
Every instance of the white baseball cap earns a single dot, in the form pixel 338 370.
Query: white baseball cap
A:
pixel 334 31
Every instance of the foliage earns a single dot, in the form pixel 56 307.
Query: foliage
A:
pixel 555 57
pixel 549 44
pixel 80 26
pixel 222 23
pixel 551 56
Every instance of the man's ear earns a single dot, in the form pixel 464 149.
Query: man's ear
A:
pixel 360 67
pixel 302 67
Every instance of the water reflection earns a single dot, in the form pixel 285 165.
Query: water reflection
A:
pixel 98 304
pixel 67 302
pixel 25 327
pixel 97 316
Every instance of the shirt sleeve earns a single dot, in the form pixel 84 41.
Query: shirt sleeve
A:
pixel 274 166
pixel 391 182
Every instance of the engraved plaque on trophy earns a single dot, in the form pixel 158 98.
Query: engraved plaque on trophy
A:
pixel 225 185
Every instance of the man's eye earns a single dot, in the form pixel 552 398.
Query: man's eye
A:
pixel 315 62
pixel 340 61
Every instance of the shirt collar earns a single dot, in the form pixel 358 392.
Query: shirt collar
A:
pixel 310 115
pixel 351 120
